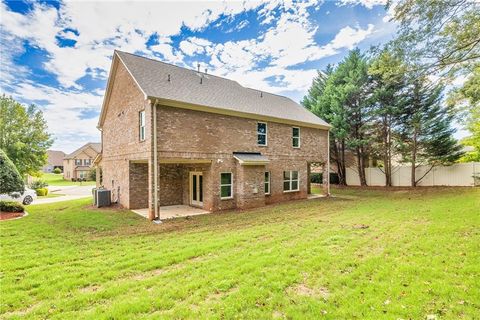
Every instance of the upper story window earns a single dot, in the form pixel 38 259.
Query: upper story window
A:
pixel 290 181
pixel 87 162
pixel 267 182
pixel 141 128
pixel 296 137
pixel 78 162
pixel 262 133
pixel 226 185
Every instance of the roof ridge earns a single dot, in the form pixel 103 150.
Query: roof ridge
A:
pixel 174 65
pixel 209 74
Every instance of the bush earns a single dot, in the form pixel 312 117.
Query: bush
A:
pixel 11 180
pixel 57 170
pixel 37 184
pixel 11 206
pixel 92 175
pixel 318 178
pixel 41 192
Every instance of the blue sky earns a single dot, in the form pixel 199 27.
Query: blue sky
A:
pixel 57 55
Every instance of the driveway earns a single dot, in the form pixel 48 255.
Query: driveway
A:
pixel 68 192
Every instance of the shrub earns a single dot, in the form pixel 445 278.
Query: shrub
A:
pixel 37 184
pixel 318 178
pixel 11 206
pixel 11 180
pixel 57 170
pixel 92 175
pixel 41 192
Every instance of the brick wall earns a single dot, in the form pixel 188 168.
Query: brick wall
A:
pixel 138 187
pixel 197 135
pixel 171 184
pixel 120 138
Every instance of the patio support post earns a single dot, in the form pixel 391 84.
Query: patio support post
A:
pixel 326 169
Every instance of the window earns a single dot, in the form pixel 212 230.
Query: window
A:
pixel 78 162
pixel 226 185
pixel 290 181
pixel 87 162
pixel 267 182
pixel 142 125
pixel 261 133
pixel 296 137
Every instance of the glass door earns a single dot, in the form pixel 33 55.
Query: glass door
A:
pixel 196 189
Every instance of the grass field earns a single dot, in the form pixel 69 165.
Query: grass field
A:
pixel 57 180
pixel 50 195
pixel 364 254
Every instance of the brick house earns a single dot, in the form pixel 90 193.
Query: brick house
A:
pixel 78 164
pixel 54 161
pixel 202 140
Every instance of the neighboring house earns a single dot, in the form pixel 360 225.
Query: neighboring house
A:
pixel 79 163
pixel 54 160
pixel 174 136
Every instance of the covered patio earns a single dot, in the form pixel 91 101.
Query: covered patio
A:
pixel 174 211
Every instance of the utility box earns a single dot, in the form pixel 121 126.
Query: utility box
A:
pixel 103 198
pixel 94 195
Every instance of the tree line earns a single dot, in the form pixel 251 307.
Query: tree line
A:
pixel 391 104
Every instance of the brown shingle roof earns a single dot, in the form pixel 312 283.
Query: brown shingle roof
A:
pixel 190 86
pixel 55 158
pixel 96 146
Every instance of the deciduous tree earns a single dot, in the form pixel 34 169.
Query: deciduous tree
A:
pixel 23 135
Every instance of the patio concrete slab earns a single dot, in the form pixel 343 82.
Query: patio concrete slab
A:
pixel 171 212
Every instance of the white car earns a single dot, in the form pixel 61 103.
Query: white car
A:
pixel 26 197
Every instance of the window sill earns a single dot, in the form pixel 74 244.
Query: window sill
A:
pixel 226 198
pixel 290 191
pixel 262 145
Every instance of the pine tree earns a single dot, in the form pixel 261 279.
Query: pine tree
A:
pixel 388 99
pixel 352 97
pixel 426 132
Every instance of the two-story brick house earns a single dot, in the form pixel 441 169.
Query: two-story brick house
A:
pixel 77 165
pixel 172 135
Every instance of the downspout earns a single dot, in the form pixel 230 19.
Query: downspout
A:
pixel 155 162
pixel 328 163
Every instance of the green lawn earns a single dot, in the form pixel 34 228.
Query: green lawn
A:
pixel 361 255
pixel 57 180
pixel 50 195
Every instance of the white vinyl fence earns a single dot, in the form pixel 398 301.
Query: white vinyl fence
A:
pixel 460 174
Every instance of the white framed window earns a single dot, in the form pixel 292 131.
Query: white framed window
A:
pixel 262 132
pixel 87 162
pixel 226 185
pixel 267 182
pixel 290 181
pixel 141 116
pixel 296 137
pixel 78 162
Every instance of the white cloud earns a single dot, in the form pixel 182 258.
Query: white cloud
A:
pixel 366 3
pixel 168 53
pixel 194 45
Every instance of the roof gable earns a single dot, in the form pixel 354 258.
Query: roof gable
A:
pixel 95 147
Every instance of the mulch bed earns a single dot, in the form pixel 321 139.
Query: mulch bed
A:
pixel 10 215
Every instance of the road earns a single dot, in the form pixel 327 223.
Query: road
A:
pixel 68 193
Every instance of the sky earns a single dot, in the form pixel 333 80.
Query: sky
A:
pixel 57 55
